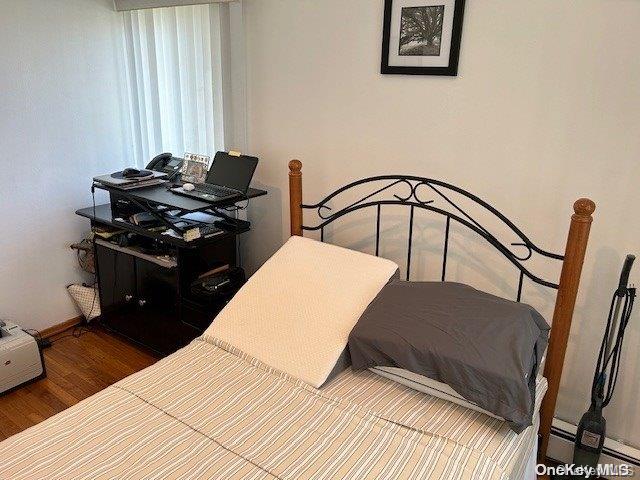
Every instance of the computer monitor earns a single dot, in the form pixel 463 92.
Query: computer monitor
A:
pixel 232 171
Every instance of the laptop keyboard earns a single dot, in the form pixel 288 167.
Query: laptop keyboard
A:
pixel 216 190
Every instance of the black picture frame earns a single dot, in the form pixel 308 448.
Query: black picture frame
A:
pixel 454 53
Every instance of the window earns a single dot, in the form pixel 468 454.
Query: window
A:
pixel 176 76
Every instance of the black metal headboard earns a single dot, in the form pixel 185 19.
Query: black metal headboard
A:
pixel 390 190
pixel 412 193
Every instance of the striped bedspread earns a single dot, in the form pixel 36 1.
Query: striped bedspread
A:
pixel 209 411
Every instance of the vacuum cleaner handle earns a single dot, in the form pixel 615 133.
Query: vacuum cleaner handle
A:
pixel 624 275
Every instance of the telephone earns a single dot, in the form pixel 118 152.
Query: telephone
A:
pixel 166 163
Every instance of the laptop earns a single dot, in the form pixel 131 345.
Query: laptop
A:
pixel 229 176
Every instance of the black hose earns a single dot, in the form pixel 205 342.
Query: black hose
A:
pixel 615 366
pixel 597 387
pixel 606 373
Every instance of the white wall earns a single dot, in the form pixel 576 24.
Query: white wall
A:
pixel 61 123
pixel 546 108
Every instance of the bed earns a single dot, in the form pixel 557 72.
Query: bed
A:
pixel 213 411
pixel 413 198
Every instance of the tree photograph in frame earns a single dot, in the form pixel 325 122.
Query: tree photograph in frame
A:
pixel 422 37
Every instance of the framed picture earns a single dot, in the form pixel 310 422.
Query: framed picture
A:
pixel 195 168
pixel 422 37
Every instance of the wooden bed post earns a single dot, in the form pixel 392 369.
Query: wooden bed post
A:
pixel 563 312
pixel 295 196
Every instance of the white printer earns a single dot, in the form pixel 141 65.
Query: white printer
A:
pixel 20 357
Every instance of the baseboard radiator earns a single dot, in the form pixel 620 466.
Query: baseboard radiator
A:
pixel 563 436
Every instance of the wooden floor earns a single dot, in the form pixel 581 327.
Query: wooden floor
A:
pixel 76 369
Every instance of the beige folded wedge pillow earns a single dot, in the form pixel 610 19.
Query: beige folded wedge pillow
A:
pixel 295 313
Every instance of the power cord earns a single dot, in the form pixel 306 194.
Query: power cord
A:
pixel 77 332
pixel 95 296
pixel 236 208
pixel 95 275
pixel 93 196
pixel 42 342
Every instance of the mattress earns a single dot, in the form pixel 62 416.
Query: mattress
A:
pixel 472 429
pixel 210 411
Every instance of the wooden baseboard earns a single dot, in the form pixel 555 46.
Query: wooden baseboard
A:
pixel 61 327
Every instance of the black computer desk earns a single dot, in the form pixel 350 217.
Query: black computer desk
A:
pixel 162 203
pixel 159 201
pixel 147 301
pixel 161 195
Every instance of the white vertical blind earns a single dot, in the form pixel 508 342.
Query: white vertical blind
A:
pixel 174 69
pixel 140 4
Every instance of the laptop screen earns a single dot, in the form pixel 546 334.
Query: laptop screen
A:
pixel 232 172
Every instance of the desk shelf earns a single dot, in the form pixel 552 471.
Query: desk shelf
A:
pixel 158 260
pixel 103 216
pixel 159 195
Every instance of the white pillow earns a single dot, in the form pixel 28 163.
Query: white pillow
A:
pixel 295 313
pixel 437 389
pixel 427 385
